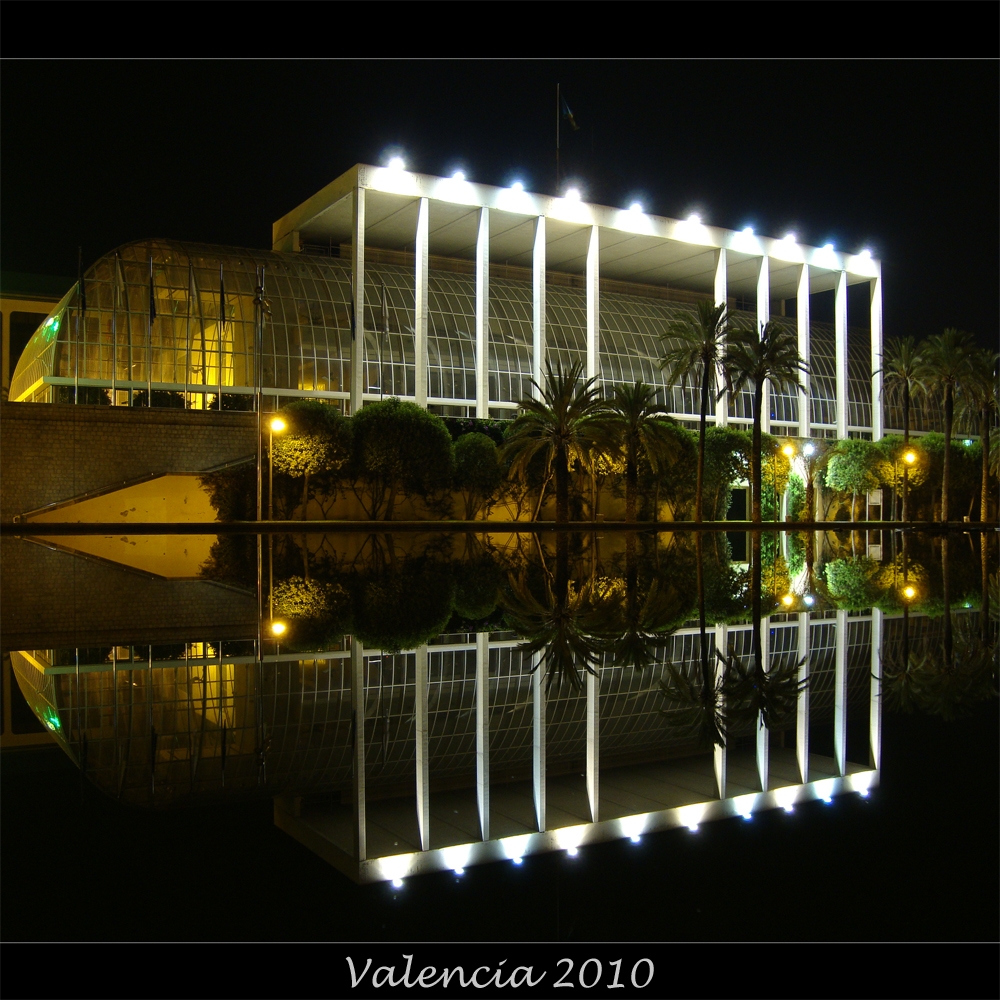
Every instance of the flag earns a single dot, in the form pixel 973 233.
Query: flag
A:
pixel 79 278
pixel 568 116
pixel 152 294
pixel 222 300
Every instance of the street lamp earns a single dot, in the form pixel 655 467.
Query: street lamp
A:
pixel 909 457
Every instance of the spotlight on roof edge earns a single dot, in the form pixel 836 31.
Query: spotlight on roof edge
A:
pixel 397 163
pixel 517 186
pixel 573 194
pixel 458 175
pixel 695 218
pixel 790 237
pixel 572 852
pixel 397 883
pixel 748 230
pixel 635 207
pixel 866 253
pixel 827 246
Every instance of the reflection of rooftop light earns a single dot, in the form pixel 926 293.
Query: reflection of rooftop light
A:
pixel 635 207
pixel 967 442
pixel 809 449
pixel 517 186
pixel 397 163
pixel 572 194
pixel 458 176
pixel 809 600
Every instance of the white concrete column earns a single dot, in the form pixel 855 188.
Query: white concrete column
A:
pixel 721 299
pixel 840 335
pixel 538 763
pixel 593 744
pixel 875 290
pixel 483 731
pixel 763 318
pixel 840 695
pixel 358 300
pixel 875 709
pixel 483 315
pixel 802 327
pixel 719 757
pixel 802 702
pixel 764 735
pixel 420 310
pixel 359 824
pixel 423 748
pixel 538 304
pixel 593 305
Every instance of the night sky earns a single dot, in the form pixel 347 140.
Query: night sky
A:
pixel 900 156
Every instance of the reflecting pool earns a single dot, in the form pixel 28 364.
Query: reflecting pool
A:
pixel 420 702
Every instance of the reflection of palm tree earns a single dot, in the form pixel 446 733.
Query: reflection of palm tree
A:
pixel 947 356
pixel 904 376
pixel 753 358
pixel 696 348
pixel 643 432
pixel 567 423
pixel 978 403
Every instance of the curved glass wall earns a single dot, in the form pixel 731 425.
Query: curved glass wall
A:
pixel 173 323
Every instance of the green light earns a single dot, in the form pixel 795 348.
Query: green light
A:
pixel 51 718
pixel 51 327
pixel 967 442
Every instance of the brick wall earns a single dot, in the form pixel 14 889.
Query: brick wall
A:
pixel 52 452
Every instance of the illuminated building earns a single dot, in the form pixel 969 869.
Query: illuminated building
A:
pixel 483 284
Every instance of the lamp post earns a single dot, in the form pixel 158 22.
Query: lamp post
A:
pixel 274 426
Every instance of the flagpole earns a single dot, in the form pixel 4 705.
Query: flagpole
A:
pixel 558 117
pixel 81 306
pixel 149 338
pixel 114 335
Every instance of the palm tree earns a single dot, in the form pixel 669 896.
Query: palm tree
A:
pixel 904 376
pixel 752 359
pixel 978 401
pixel 695 346
pixel 568 422
pixel 947 355
pixel 643 431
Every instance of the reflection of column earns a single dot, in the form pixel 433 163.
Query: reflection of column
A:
pixel 593 305
pixel 420 306
pixel 423 771
pixel 840 695
pixel 875 717
pixel 875 289
pixel 764 317
pixel 840 336
pixel 538 304
pixel 719 756
pixel 763 734
pixel 802 326
pixel 802 704
pixel 483 731
pixel 721 299
pixel 593 739
pixel 538 743
pixel 358 304
pixel 483 315
pixel 360 827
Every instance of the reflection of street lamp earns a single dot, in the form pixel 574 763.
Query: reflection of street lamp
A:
pixel 276 426
pixel 788 600
pixel 909 592
pixel 278 628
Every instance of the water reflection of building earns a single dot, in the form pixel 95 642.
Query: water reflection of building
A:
pixel 457 736
pixel 482 284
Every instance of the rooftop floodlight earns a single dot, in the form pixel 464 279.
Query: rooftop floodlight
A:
pixel 827 246
pixel 397 883
pixel 572 194
pixel 695 218
pixel 517 186
pixel 278 628
pixel 396 163
pixel 277 425
pixel 572 852
pixel 910 457
pixel 866 253
pixel 458 175
pixel 809 449
pixel 788 600
pixel 635 838
pixel 748 230
pixel 809 600
pixel 790 237
pixel 635 207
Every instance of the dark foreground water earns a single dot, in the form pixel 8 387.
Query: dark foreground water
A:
pixel 180 734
